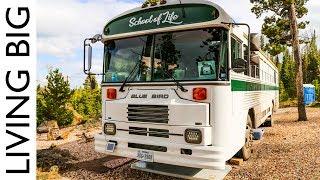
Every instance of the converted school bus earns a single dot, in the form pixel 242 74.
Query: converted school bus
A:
pixel 183 84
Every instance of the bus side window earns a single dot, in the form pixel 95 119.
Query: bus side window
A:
pixel 236 54
pixel 245 52
pixel 235 49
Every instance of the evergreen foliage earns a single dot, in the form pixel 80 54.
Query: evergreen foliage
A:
pixel 287 75
pixel 316 83
pixel 276 25
pixel 311 70
pixel 41 106
pixel 86 100
pixel 312 61
pixel 53 98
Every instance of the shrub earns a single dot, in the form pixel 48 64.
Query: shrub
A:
pixel 316 83
pixel 41 107
pixel 87 100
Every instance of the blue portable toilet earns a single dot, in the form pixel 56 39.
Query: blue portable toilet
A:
pixel 309 94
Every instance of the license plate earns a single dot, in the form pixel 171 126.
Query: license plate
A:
pixel 110 147
pixel 145 156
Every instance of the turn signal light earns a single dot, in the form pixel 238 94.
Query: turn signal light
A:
pixel 199 93
pixel 111 93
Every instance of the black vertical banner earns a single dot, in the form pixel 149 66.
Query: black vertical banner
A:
pixel 18 89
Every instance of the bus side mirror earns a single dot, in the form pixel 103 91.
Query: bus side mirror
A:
pixel 88 58
pixel 239 65
pixel 87 53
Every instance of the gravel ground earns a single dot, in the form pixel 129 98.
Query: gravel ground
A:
pixel 289 150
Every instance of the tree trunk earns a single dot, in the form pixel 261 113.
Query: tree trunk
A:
pixel 298 60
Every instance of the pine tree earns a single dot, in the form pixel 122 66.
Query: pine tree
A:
pixel 56 95
pixel 312 57
pixel 94 98
pixel 41 106
pixel 316 84
pixel 90 82
pixel 287 75
pixel 281 28
pixel 86 100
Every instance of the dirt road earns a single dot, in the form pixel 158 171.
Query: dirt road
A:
pixel 289 150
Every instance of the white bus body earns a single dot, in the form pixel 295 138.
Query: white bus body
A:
pixel 150 119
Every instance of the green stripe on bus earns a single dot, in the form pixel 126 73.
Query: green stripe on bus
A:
pixel 237 85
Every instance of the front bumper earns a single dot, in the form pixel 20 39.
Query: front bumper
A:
pixel 206 157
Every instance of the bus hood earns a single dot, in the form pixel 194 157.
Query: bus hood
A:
pixel 161 106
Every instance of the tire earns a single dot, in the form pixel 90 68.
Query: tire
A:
pixel 246 151
pixel 269 120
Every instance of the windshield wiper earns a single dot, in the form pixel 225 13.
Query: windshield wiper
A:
pixel 131 73
pixel 176 81
pixel 171 76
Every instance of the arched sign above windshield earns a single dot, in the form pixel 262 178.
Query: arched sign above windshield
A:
pixel 165 16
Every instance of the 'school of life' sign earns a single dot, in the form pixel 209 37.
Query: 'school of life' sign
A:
pixel 166 17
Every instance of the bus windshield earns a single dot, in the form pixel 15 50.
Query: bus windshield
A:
pixel 195 55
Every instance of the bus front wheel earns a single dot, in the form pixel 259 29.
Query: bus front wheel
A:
pixel 245 151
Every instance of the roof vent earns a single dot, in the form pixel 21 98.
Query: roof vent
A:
pixel 153 3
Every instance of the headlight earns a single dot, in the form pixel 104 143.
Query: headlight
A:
pixel 193 136
pixel 110 128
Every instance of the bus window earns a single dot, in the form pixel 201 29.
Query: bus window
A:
pixel 235 49
pixel 239 64
pixel 245 52
pixel 124 55
pixel 258 72
pixel 191 55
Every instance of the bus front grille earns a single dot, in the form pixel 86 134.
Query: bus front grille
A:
pixel 159 133
pixel 148 113
pixel 138 131
pixel 163 133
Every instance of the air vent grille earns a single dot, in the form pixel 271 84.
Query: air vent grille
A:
pixel 148 113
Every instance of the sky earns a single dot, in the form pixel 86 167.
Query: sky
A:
pixel 62 25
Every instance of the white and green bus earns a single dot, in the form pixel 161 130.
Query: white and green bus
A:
pixel 183 84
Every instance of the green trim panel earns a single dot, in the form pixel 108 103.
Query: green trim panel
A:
pixel 167 16
pixel 237 85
